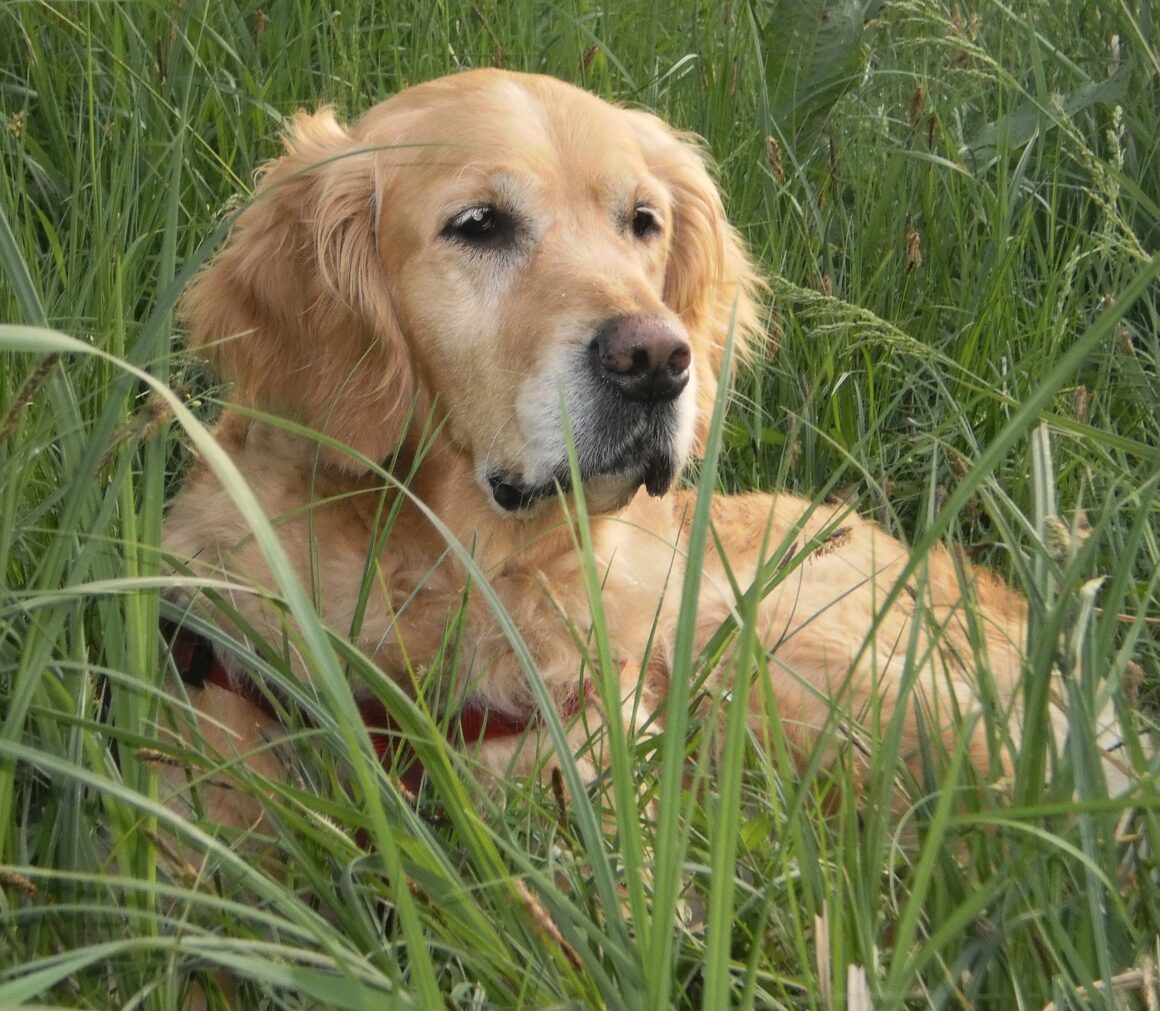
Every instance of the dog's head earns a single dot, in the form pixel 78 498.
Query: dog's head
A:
pixel 519 256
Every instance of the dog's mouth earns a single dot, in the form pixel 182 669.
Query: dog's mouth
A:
pixel 619 475
pixel 618 443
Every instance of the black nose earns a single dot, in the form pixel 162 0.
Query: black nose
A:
pixel 646 357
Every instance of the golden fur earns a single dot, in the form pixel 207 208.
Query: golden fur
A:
pixel 348 300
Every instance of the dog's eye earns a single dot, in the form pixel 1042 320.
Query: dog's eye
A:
pixel 483 225
pixel 645 222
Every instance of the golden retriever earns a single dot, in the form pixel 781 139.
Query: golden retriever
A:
pixel 485 274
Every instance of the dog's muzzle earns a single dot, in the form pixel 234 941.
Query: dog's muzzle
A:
pixel 624 413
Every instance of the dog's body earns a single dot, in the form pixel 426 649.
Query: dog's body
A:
pixel 438 288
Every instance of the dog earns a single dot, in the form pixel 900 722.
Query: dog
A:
pixel 489 286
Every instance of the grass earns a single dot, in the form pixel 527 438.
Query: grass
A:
pixel 958 208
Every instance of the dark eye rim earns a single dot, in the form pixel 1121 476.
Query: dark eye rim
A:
pixel 645 221
pixel 480 225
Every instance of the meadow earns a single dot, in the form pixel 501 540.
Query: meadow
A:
pixel 957 208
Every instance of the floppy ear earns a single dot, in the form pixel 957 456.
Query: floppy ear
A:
pixel 295 308
pixel 710 282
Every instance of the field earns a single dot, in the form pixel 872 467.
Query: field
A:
pixel 957 207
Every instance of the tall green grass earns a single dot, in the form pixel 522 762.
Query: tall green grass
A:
pixel 958 209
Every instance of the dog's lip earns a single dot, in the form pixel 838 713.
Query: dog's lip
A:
pixel 512 493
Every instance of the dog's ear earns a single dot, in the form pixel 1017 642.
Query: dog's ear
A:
pixel 295 307
pixel 710 282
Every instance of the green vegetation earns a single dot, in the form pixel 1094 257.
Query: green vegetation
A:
pixel 958 208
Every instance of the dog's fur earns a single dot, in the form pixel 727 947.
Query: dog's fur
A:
pixel 434 288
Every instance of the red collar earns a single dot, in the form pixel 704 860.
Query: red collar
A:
pixel 198 665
